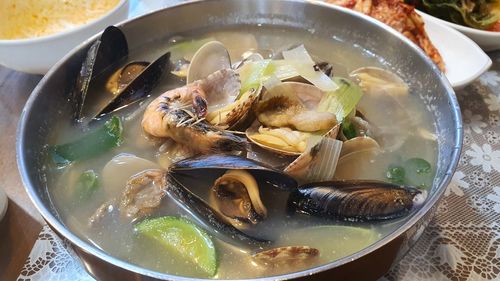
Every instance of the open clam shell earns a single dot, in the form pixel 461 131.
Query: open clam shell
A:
pixel 283 103
pixel 211 57
pixel 237 113
pixel 289 256
pixel 280 140
pixel 358 144
pixel 319 162
pixel 384 89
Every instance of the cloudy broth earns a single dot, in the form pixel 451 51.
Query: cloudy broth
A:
pixel 334 239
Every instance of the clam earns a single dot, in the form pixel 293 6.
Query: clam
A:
pixel 384 89
pixel 358 144
pixel 123 85
pixel 353 200
pixel 236 113
pixel 294 104
pixel 211 57
pixel 289 256
pixel 289 115
pixel 236 195
pixel 281 140
pixel 228 107
pixel 319 162
pixel 377 81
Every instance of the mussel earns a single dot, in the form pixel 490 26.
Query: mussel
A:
pixel 235 196
pixel 222 163
pixel 124 85
pixel 353 200
pixel 229 107
pixel 205 213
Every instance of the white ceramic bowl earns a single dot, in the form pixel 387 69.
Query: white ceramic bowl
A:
pixel 487 40
pixel 38 55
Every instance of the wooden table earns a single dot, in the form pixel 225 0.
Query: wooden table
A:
pixel 22 223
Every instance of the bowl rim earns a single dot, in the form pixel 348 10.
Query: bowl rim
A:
pixel 91 249
pixel 466 29
pixel 64 32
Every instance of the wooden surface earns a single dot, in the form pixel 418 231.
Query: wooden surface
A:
pixel 22 223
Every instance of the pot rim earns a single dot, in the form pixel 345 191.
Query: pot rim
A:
pixel 104 256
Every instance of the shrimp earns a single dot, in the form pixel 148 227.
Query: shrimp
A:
pixel 179 114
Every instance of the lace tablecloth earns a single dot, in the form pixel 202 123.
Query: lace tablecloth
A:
pixel 461 243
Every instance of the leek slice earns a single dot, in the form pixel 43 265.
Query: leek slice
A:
pixel 186 49
pixel 252 74
pixel 342 101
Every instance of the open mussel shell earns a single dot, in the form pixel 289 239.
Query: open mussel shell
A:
pixel 211 57
pixel 222 162
pixel 140 83
pixel 125 75
pixel 353 200
pixel 236 195
pixel 213 220
pixel 108 50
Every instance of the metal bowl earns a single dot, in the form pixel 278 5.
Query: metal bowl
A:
pixel 48 106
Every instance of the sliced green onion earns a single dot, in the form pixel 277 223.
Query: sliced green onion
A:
pixel 186 49
pixel 419 173
pixel 91 144
pixel 396 174
pixel 342 101
pixel 252 74
pixel 86 185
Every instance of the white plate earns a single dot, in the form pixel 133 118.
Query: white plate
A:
pixel 487 40
pixel 463 58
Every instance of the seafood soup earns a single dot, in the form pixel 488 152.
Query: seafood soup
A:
pixel 240 153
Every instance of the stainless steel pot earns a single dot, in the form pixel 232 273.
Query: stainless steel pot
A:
pixel 48 105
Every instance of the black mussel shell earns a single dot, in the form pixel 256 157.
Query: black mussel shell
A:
pixel 201 210
pixel 353 200
pixel 125 75
pixel 140 85
pixel 262 172
pixel 108 50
